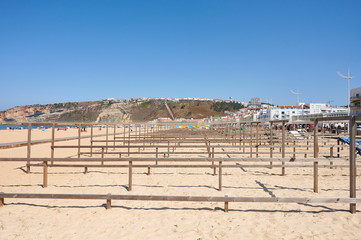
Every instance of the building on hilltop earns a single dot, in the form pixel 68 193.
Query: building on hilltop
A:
pixel 256 101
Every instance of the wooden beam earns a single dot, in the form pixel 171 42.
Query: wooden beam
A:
pixel 106 136
pixel 130 182
pixel 29 148
pixel 283 145
pixel 220 176
pixel 79 133
pixel 315 155
pixel 52 140
pixel 91 140
pixel 352 127
pixel 45 174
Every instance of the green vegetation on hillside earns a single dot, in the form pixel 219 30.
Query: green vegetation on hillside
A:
pixel 144 105
pixel 226 106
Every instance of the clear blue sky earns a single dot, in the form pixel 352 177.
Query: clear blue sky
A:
pixel 57 51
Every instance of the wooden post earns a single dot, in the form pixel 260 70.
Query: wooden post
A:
pixel 257 128
pixel 156 153
pixel 352 156
pixel 257 143
pixel 331 157
pixel 148 170
pixel 130 176
pixel 214 167
pixel 115 129
pixel 52 141
pixel 226 205
pixel 109 202
pixel 28 149
pixel 251 142
pixel 102 155
pixel 91 140
pixel 123 134
pixel 283 146
pixel 128 134
pixel 168 148
pixel 45 174
pixel 79 127
pixel 129 147
pixel 315 155
pixel 220 176
pixel 244 138
pixel 106 137
pixel 2 202
pixel 294 149
pixel 271 142
pixel 338 148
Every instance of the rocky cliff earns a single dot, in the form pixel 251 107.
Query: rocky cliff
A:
pixel 112 111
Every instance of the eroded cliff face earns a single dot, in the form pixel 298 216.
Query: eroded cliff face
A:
pixel 23 113
pixel 105 111
pixel 108 111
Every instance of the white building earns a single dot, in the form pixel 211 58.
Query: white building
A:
pixel 355 101
pixel 288 112
pixel 255 101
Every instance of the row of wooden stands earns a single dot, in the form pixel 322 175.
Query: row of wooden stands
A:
pixel 229 136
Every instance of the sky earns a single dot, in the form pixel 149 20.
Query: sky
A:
pixel 61 51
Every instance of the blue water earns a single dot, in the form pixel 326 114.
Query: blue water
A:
pixel 6 126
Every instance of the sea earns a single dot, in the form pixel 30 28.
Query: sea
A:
pixel 15 127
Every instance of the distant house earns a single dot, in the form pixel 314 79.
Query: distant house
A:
pixel 256 101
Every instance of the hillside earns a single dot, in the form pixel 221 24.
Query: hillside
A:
pixel 117 110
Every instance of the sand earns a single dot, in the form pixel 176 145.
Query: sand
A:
pixel 88 219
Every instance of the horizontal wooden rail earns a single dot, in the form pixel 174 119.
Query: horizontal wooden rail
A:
pixel 108 197
pixel 172 159
pixel 189 146
pixel 194 152
pixel 191 166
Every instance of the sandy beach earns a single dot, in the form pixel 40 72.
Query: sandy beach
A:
pixel 80 219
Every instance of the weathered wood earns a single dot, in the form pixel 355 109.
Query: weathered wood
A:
pixel 130 182
pixel 52 140
pixel 45 174
pixel 182 198
pixel 257 136
pixel 315 155
pixel 271 143
pixel 283 145
pixel 29 147
pixel 189 166
pixel 189 159
pixel 220 176
pixel 115 129
pixel 79 137
pixel 106 136
pixel 91 140
pixel 123 134
pixel 331 156
pixel 352 156
pixel 109 202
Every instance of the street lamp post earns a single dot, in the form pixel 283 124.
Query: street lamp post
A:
pixel 348 88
